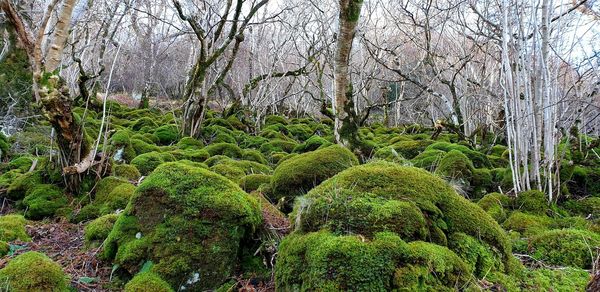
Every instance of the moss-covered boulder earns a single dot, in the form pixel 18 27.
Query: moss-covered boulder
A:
pixel 455 166
pixel 33 271
pixel 496 205
pixel 567 247
pixel 126 171
pixel 97 230
pixel 252 182
pixel 167 134
pixel 147 162
pixel 189 222
pixel 225 149
pixel 526 224
pixel 411 148
pixel 311 144
pixel 299 174
pixel 147 282
pixel 409 201
pixel 44 201
pixel 12 227
pixel 532 202
pixel 22 184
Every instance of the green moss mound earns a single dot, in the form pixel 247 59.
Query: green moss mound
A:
pixel 167 134
pixel 526 224
pixel 33 271
pixel 97 230
pixel 567 247
pixel 12 227
pixel 146 282
pixel 44 201
pixel 225 149
pixel 147 162
pixel 22 184
pixel 413 195
pixel 126 171
pixel 496 205
pixel 299 174
pixel 189 143
pixel 189 222
pixel 456 166
pixel 532 202
pixel 252 182
pixel 321 261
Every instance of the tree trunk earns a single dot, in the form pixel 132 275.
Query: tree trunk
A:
pixel 346 120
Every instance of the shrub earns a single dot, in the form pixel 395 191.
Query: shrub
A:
pixel 567 247
pixel 43 201
pixel 33 271
pixel 97 230
pixel 172 211
pixel 147 282
pixel 299 174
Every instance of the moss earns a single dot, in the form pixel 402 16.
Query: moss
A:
pixel 585 207
pixel 532 202
pixel 116 199
pixel 299 174
pixel 273 119
pixel 567 279
pixel 389 154
pixel 479 256
pixel 33 271
pixel 410 149
pixel 278 145
pixel 496 205
pixel 428 159
pixel 97 230
pixel 12 227
pixel 143 122
pixel 43 201
pixel 147 162
pixel 190 154
pixel 300 132
pixel 482 182
pixel 226 149
pixel 141 147
pixel 147 281
pixel 526 224
pixel 478 159
pixel 254 155
pixel 445 211
pixel 167 134
pixel 252 182
pixel 8 177
pixel 455 165
pixel 321 261
pixel 4 248
pixel 189 143
pixel 585 181
pixel 229 171
pixel 22 163
pixel 21 185
pixel 172 210
pixel 431 268
pixel 567 247
pixel 126 171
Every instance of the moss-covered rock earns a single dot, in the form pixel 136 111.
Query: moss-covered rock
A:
pixel 567 247
pixel 167 134
pixel 21 185
pixel 496 205
pixel 532 202
pixel 526 224
pixel 225 149
pixel 299 174
pixel 189 222
pixel 33 271
pixel 189 143
pixel 147 282
pixel 254 155
pixel 44 201
pixel 417 191
pixel 388 153
pixel 12 227
pixel 190 154
pixel 278 145
pixel 428 159
pixel 585 207
pixel 410 149
pixel 456 166
pixel 126 171
pixel 311 144
pixel 147 162
pixel 141 146
pixel 143 122
pixel 97 230
pixel 321 261
pixel 252 182
pixel 22 163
